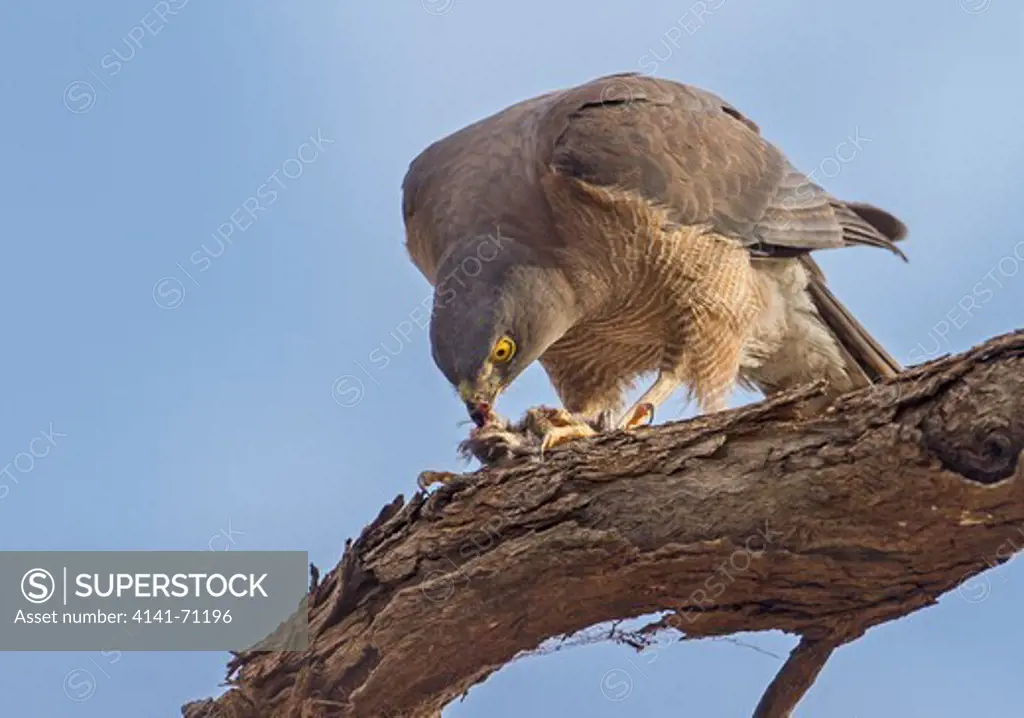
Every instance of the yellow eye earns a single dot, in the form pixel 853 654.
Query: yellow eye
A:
pixel 503 350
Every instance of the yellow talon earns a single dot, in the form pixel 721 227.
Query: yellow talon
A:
pixel 565 433
pixel 643 414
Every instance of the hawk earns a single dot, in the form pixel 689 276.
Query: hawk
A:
pixel 627 226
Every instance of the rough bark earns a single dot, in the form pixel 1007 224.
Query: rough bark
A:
pixel 748 520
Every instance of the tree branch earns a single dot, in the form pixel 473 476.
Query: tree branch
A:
pixel 795 678
pixel 748 520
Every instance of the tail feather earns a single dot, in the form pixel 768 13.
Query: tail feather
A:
pixel 867 361
pixel 881 220
pixel 820 337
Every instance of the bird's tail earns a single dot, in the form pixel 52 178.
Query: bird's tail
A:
pixel 820 338
pixel 867 361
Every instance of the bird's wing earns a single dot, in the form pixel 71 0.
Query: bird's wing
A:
pixel 680 147
pixel 704 162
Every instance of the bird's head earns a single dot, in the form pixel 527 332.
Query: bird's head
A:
pixel 497 308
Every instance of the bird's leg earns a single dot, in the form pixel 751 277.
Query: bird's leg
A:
pixel 643 410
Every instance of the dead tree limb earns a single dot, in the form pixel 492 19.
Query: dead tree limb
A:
pixel 748 520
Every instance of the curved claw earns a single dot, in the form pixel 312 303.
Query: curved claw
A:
pixel 564 434
pixel 641 415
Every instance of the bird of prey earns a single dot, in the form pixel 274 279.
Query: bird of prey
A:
pixel 627 226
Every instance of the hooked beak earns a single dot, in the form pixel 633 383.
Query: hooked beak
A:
pixel 479 413
pixel 479 400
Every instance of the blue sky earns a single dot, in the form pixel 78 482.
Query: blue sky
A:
pixel 191 387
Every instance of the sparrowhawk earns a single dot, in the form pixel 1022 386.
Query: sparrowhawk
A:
pixel 632 225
